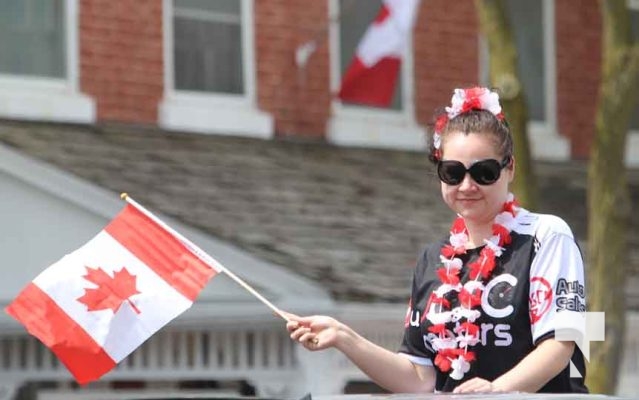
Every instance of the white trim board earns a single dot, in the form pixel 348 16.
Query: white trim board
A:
pixel 29 98
pixel 214 113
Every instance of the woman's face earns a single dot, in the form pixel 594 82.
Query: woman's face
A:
pixel 476 203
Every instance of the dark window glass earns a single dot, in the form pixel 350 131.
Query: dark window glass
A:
pixel 33 38
pixel 208 46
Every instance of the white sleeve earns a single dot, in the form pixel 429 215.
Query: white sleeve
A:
pixel 557 288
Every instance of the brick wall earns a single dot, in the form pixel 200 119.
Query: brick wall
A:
pixel 578 29
pixel 121 58
pixel 298 99
pixel 446 54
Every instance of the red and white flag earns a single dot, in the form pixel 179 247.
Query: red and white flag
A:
pixel 371 77
pixel 99 303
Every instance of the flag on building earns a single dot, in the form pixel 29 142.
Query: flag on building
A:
pixel 99 303
pixel 372 74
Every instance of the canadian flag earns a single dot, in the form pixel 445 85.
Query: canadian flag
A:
pixel 371 77
pixel 99 303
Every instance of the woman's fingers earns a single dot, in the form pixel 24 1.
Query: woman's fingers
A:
pixel 292 325
pixel 297 333
pixel 474 385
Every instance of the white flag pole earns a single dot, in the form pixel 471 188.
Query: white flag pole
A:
pixel 213 263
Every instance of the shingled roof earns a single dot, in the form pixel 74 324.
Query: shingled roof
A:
pixel 353 220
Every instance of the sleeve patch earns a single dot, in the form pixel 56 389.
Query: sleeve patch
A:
pixel 540 298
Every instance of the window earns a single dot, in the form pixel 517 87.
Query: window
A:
pixel 202 64
pixel 39 62
pixel 353 125
pixel 355 18
pixel 209 69
pixel 527 22
pixel 526 19
pixel 533 26
pixel 32 38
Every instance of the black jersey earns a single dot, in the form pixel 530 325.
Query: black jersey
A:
pixel 536 286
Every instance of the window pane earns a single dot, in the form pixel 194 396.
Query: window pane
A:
pixel 208 46
pixel 526 20
pixel 219 6
pixel 355 17
pixel 634 21
pixel 32 38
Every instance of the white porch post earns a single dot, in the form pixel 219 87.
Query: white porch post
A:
pixel 317 373
pixel 8 389
pixel 320 371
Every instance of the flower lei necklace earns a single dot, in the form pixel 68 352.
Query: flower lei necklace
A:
pixel 452 351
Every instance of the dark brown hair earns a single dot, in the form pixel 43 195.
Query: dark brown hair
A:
pixel 481 122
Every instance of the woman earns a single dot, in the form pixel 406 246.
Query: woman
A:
pixel 486 300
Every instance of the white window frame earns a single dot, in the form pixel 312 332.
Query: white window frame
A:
pixel 545 141
pixel 214 113
pixel 632 142
pixel 366 126
pixel 51 99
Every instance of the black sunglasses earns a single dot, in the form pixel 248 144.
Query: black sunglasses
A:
pixel 484 172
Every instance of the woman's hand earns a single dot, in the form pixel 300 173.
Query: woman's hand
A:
pixel 314 333
pixel 476 385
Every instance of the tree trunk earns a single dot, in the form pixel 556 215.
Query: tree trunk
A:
pixel 504 76
pixel 608 197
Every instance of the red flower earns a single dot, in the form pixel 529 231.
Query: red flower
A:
pixel 471 104
pixel 441 122
pixel 442 362
pixel 439 300
pixel 449 251
pixel 484 265
pixel 469 356
pixel 439 329
pixel 504 234
pixel 467 327
pixel 438 154
pixel 459 226
pixel 510 207
pixel 447 277
pixel 468 299
pixel 474 92
pixel 444 357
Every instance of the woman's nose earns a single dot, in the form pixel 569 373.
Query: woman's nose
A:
pixel 467 183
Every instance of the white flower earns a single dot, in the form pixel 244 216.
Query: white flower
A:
pixel 456 103
pixel 437 140
pixel 458 313
pixel 471 286
pixel 505 219
pixel 492 244
pixel 443 343
pixel 453 264
pixel 437 318
pixel 446 287
pixel 458 240
pixel 471 315
pixel 466 340
pixel 490 102
pixel 460 367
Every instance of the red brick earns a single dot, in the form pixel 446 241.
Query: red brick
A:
pixel 578 65
pixel 121 62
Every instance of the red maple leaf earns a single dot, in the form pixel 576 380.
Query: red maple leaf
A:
pixel 111 291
